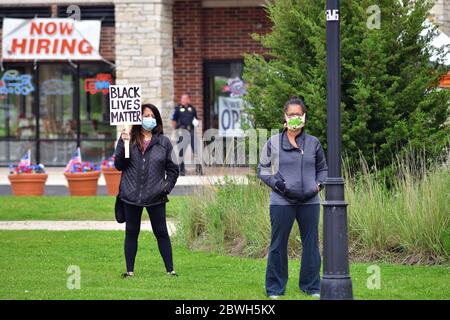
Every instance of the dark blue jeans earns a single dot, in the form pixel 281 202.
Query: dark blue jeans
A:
pixel 282 218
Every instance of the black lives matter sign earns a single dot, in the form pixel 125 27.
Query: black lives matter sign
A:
pixel 125 104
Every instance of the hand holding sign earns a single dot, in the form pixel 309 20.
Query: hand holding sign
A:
pixel 125 109
pixel 126 139
pixel 125 134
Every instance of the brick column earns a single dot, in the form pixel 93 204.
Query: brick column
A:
pixel 440 13
pixel 144 51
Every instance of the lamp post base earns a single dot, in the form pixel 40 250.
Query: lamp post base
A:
pixel 336 288
pixel 336 281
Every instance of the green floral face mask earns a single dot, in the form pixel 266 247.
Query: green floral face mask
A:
pixel 295 122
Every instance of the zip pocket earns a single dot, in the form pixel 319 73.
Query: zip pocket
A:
pixel 278 176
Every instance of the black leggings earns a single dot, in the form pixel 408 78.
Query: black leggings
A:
pixel 157 216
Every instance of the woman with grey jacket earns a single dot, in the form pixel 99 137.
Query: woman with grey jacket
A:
pixel 293 165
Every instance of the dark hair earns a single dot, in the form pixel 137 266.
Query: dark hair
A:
pixel 136 131
pixel 296 101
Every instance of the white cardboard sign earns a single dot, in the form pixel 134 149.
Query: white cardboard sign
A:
pixel 230 114
pixel 125 104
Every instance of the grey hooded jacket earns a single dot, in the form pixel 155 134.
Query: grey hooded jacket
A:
pixel 300 169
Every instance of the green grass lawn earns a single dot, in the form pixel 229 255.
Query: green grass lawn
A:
pixel 34 266
pixel 70 208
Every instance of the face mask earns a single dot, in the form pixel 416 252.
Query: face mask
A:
pixel 295 122
pixel 149 123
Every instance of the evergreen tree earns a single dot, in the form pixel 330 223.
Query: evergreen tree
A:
pixel 389 95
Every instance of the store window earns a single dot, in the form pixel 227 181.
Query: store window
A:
pixel 17 119
pixel 69 115
pixel 95 79
pixel 94 104
pixel 57 123
pixel 105 13
pixel 56 105
pixel 24 12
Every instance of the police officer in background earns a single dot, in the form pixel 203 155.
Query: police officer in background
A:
pixel 184 116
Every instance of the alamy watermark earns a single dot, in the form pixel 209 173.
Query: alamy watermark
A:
pixel 74 279
pixel 374 280
pixel 374 20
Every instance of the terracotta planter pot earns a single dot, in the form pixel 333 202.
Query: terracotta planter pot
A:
pixel 28 184
pixel 112 178
pixel 82 183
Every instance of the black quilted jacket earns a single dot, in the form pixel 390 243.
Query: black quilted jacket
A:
pixel 147 179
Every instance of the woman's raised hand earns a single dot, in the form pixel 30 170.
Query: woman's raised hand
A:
pixel 125 135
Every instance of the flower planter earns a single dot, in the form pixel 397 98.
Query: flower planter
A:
pixel 82 183
pixel 112 178
pixel 28 184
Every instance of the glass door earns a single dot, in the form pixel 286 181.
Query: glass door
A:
pixel 224 109
pixel 219 78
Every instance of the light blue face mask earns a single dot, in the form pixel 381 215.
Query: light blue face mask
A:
pixel 149 123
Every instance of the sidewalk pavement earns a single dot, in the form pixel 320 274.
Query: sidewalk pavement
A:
pixel 57 184
pixel 76 225
pixel 56 176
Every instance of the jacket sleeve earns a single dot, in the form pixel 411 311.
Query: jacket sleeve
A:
pixel 120 162
pixel 264 170
pixel 321 164
pixel 172 168
pixel 174 115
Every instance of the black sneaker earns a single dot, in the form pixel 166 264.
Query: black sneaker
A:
pixel 182 169
pixel 199 170
pixel 127 275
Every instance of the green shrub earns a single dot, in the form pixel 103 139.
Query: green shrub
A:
pixel 232 218
pixel 408 222
pixel 390 94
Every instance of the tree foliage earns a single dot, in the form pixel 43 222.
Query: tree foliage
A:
pixel 389 89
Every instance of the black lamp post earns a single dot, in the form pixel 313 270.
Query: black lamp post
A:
pixel 336 281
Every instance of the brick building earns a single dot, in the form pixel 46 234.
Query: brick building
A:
pixel 168 46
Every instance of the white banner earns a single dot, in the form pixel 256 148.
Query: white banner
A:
pixel 51 39
pixel 230 116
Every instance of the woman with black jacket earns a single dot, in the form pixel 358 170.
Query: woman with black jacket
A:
pixel 148 176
